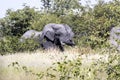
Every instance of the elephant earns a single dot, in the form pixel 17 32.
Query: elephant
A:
pixel 57 35
pixel 52 44
pixel 115 37
pixel 31 34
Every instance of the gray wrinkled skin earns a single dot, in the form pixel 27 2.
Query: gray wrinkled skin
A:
pixel 61 32
pixel 115 37
pixel 31 34
pixel 64 31
pixel 48 45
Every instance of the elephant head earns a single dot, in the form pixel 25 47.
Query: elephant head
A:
pixel 58 33
pixel 66 35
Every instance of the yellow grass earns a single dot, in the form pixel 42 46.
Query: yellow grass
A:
pixel 41 60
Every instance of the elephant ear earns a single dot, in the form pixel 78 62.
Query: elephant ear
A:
pixel 50 35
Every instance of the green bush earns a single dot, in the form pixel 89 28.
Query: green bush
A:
pixel 13 45
pixel 28 45
pixel 43 19
pixel 90 25
pixel 18 22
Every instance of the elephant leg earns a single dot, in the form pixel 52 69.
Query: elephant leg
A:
pixel 41 38
pixel 61 48
pixel 48 45
pixel 58 43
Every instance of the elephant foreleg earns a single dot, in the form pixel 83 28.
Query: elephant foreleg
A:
pixel 61 47
pixel 48 45
pixel 58 44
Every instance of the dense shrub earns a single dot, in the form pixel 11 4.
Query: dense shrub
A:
pixel 43 19
pixel 90 25
pixel 17 22
pixel 12 45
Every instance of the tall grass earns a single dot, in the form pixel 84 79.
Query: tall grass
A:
pixel 50 60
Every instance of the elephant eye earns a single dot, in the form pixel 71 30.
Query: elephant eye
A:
pixel 61 34
pixel 57 35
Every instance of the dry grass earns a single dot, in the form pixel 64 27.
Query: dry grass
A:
pixel 41 60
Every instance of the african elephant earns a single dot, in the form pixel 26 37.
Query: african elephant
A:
pixel 57 34
pixel 115 37
pixel 31 34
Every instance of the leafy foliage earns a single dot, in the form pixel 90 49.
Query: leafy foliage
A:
pixel 60 7
pixel 13 45
pixel 44 19
pixel 17 22
pixel 90 25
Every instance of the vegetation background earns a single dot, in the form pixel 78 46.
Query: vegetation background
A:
pixel 91 26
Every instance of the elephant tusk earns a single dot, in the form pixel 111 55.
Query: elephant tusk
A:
pixel 62 43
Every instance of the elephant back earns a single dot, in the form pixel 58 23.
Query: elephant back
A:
pixel 30 34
